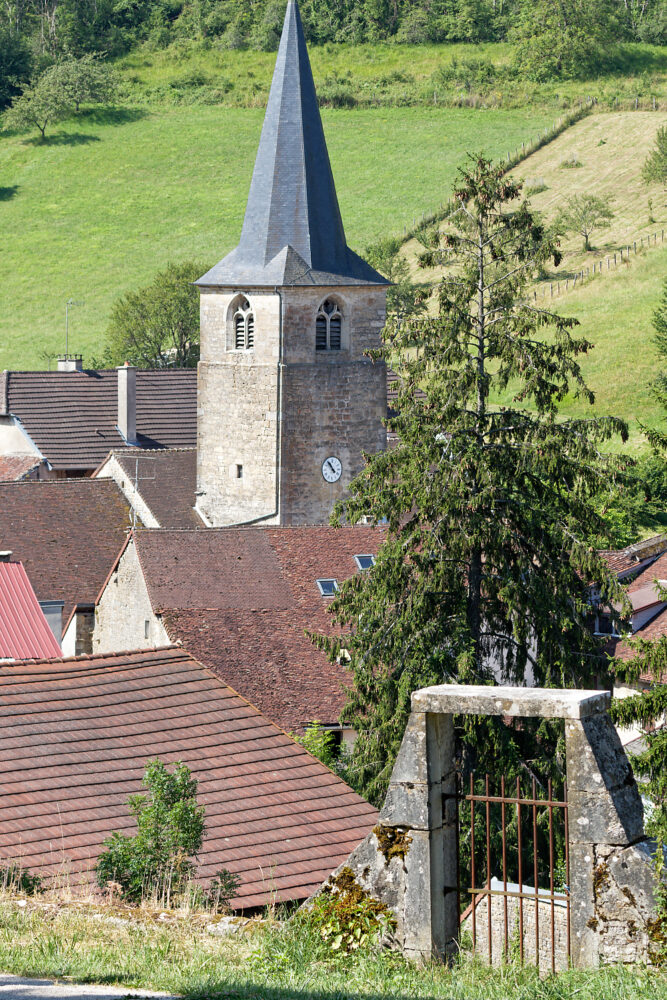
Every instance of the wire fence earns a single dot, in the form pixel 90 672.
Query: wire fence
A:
pixel 552 289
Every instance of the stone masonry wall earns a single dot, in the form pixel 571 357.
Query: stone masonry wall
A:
pixel 258 416
pixel 124 609
pixel 611 861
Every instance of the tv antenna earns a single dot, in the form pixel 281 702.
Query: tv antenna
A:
pixel 139 479
pixel 70 302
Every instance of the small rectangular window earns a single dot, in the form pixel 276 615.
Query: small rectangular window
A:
pixel 147 627
pixel 328 588
pixel 365 562
pixel 239 472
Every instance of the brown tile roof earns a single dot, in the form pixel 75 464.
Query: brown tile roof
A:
pixel 74 742
pixel 15 467
pixel 24 631
pixel 167 483
pixel 656 571
pixel 66 533
pixel 240 600
pixel 72 416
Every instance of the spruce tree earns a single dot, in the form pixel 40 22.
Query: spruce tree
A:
pixel 648 709
pixel 486 570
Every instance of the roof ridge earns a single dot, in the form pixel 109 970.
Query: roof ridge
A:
pixel 121 654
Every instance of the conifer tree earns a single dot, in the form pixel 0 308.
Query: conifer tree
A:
pixel 486 569
pixel 648 709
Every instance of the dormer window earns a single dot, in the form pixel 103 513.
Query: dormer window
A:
pixel 244 326
pixel 327 588
pixel 328 327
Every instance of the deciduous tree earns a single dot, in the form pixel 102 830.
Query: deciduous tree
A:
pixel 583 214
pixel 489 554
pixel 654 170
pixel 158 326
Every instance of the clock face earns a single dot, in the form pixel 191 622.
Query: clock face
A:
pixel 332 469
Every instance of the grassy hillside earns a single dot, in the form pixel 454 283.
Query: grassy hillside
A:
pixel 388 74
pixel 112 197
pixel 615 308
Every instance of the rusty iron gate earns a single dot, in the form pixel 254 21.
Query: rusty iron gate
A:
pixel 509 843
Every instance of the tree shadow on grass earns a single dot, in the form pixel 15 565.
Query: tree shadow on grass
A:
pixel 62 139
pixel 7 193
pixel 113 116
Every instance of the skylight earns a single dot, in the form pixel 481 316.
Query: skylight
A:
pixel 365 562
pixel 328 588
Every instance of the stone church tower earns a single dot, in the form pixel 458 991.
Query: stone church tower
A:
pixel 287 400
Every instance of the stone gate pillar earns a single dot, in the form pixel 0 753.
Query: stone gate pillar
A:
pixel 409 860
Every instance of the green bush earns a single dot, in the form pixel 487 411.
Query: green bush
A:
pixel 346 918
pixel 14 878
pixel 157 862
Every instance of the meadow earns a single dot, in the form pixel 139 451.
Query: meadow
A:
pixel 114 195
pixel 273 960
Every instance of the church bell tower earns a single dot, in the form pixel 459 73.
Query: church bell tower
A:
pixel 287 398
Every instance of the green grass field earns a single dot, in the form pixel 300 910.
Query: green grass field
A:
pixel 275 962
pixel 112 197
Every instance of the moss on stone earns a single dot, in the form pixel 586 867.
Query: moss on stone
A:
pixel 393 842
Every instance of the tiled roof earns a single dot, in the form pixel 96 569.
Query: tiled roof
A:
pixel 76 735
pixel 166 483
pixel 15 467
pixel 72 416
pixel 24 631
pixel 240 600
pixel 66 533
pixel 654 629
pixel 656 571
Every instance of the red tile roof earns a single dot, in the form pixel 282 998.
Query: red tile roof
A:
pixel 24 631
pixel 72 416
pixel 66 533
pixel 77 734
pixel 656 571
pixel 241 599
pixel 15 467
pixel 167 480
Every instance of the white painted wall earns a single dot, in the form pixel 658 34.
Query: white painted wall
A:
pixel 14 440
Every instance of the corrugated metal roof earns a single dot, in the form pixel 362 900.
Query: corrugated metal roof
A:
pixel 24 631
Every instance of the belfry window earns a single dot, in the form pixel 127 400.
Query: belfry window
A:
pixel 328 327
pixel 244 326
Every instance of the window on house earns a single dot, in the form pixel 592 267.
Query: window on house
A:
pixel 604 624
pixel 239 472
pixel 244 326
pixel 327 588
pixel 365 562
pixel 328 327
pixel 147 628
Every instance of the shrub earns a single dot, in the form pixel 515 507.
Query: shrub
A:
pixel 346 918
pixel 571 163
pixel 158 861
pixel 14 878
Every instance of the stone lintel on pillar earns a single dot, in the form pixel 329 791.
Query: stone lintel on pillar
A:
pixel 545 703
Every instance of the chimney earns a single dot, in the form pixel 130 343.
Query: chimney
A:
pixel 127 402
pixel 70 363
pixel 6 555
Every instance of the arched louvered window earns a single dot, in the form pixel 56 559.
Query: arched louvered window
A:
pixel 328 327
pixel 244 326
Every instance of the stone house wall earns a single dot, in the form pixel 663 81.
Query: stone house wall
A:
pixel 124 617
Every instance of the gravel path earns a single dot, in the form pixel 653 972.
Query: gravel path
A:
pixel 17 988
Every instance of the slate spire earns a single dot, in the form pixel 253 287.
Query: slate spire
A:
pixel 293 232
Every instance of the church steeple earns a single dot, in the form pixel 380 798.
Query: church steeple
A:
pixel 293 232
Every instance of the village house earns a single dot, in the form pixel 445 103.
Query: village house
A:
pixel 76 737
pixel 63 423
pixel 240 600
pixel 67 536
pixel 24 629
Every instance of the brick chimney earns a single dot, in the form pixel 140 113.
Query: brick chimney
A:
pixel 127 402
pixel 70 363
